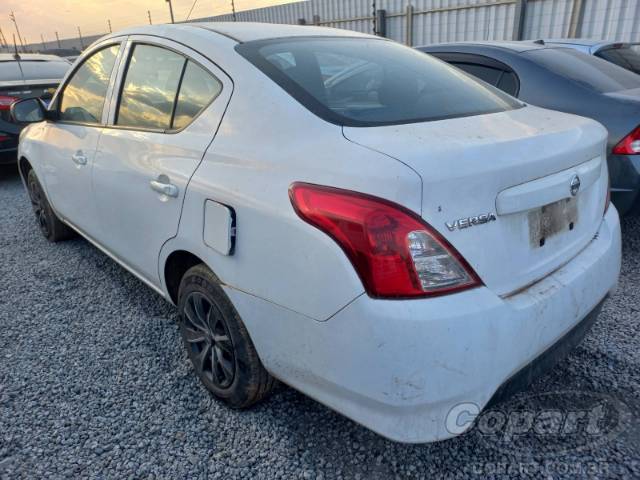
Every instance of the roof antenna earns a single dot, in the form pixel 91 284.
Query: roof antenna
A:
pixel 539 42
pixel 16 55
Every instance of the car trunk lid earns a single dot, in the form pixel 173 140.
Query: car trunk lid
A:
pixel 499 187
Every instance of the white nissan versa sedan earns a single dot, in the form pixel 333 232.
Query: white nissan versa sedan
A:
pixel 357 219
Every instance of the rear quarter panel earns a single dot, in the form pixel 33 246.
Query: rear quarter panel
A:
pixel 266 142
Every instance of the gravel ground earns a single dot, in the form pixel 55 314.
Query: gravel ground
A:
pixel 94 383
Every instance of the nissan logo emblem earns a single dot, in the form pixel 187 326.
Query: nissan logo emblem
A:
pixel 575 185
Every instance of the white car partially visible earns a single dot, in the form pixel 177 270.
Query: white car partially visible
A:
pixel 334 210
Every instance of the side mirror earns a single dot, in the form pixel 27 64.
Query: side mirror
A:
pixel 28 110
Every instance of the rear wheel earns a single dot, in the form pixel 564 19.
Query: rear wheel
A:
pixel 50 225
pixel 218 343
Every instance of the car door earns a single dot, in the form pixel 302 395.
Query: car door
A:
pixel 73 138
pixel 164 115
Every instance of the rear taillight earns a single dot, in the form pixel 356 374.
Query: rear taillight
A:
pixel 629 145
pixel 6 101
pixel 3 137
pixel 396 254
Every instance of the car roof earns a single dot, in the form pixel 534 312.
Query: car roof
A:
pixel 242 31
pixel 586 42
pixel 30 57
pixel 522 46
pixel 249 31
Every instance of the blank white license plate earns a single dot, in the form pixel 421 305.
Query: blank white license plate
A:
pixel 552 219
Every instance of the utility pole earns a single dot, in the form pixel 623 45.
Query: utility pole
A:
pixel 3 40
pixel 80 37
pixel 149 15
pixel 171 11
pixel 12 16
pixel 109 25
pixel 375 26
pixel 58 40
pixel 233 10
pixel 44 46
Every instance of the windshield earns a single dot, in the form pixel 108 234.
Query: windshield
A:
pixel 589 71
pixel 627 57
pixel 369 82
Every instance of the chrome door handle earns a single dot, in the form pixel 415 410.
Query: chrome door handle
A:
pixel 79 158
pixel 162 185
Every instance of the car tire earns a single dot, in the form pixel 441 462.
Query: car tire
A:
pixel 50 225
pixel 217 342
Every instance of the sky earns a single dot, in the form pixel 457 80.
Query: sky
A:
pixel 36 17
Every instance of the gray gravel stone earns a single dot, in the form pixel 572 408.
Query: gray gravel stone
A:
pixel 94 383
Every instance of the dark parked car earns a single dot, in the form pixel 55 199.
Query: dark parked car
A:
pixel 626 55
pixel 567 80
pixel 24 76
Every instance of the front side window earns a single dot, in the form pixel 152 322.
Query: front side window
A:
pixel 369 82
pixel 197 90
pixel 150 88
pixel 83 97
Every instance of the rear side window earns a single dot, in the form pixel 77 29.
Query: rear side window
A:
pixel 83 97
pixel 197 90
pixel 587 70
pixel 509 83
pixel 150 88
pixel 370 82
pixel 487 74
pixel 626 57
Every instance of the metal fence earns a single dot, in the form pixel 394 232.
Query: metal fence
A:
pixel 420 22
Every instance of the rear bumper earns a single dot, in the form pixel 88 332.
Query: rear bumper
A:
pixel 624 171
pixel 546 360
pixel 400 367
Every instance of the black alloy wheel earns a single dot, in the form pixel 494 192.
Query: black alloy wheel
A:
pixel 207 334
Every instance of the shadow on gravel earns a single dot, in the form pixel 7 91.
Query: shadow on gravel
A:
pixel 8 173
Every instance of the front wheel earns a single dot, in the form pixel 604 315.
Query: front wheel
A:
pixel 218 343
pixel 50 225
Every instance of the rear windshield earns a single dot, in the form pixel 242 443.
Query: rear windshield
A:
pixel 370 82
pixel 44 70
pixel 9 71
pixel 591 72
pixel 33 70
pixel 627 57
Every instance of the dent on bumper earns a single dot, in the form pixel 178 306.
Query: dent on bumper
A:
pixel 399 367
